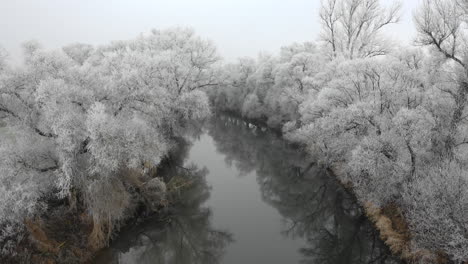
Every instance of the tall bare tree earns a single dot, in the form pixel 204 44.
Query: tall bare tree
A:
pixel 353 27
pixel 440 24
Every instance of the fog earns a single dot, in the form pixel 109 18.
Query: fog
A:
pixel 88 130
pixel 238 27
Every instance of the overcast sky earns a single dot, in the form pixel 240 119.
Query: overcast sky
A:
pixel 238 27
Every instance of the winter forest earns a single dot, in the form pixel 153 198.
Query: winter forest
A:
pixel 86 131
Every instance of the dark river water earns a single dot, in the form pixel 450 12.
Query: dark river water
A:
pixel 252 199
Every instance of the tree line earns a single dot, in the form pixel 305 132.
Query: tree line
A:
pixel 88 124
pixel 391 119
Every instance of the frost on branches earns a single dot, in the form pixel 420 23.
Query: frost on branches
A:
pixel 75 120
pixel 393 118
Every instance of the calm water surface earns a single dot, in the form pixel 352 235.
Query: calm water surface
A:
pixel 253 199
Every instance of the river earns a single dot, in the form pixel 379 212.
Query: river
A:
pixel 253 198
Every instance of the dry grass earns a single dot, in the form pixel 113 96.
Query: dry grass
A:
pixel 393 228
pixel 396 235
pixel 72 237
pixel 59 237
pixel 39 237
pixel 67 234
pixel 133 177
pixel 395 238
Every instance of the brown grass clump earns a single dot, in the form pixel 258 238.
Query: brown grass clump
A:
pixel 69 233
pixel 98 238
pixel 392 226
pixel 133 177
pixel 59 237
pixel 399 231
pixel 396 235
pixel 38 236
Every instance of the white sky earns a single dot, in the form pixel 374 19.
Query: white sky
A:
pixel 238 27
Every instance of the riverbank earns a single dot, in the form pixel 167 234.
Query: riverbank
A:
pixel 66 233
pixel 69 235
pixel 393 228
pixel 242 144
pixel 287 209
pixel 389 221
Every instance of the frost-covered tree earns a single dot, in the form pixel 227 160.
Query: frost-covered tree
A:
pixel 360 100
pixel 233 86
pixel 3 59
pixel 79 52
pixel 294 79
pixel 441 26
pixel 394 126
pixel 437 208
pixel 271 88
pixel 87 123
pixel 353 28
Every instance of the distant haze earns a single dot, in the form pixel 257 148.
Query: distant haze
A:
pixel 238 27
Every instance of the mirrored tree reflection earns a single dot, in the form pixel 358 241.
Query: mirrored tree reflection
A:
pixel 313 206
pixel 183 236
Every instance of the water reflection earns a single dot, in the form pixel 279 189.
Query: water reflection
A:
pixel 319 222
pixel 313 206
pixel 183 235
